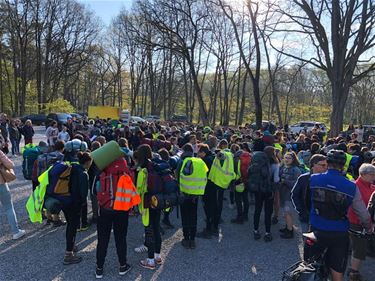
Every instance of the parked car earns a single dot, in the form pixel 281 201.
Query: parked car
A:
pixel 77 116
pixel 306 126
pixel 137 120
pixel 152 118
pixel 180 118
pixel 36 119
pixel 60 118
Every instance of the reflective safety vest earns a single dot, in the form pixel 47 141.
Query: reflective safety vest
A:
pixel 126 196
pixel 27 146
pixel 34 204
pixel 222 175
pixel 194 183
pixel 349 158
pixel 278 146
pixel 141 190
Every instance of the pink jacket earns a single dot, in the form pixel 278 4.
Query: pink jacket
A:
pixel 6 162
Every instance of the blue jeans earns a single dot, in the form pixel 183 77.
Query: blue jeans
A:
pixel 7 204
pixel 15 146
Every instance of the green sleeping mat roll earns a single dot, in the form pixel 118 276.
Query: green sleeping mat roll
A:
pixel 106 154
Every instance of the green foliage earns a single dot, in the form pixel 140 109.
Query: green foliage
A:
pixel 59 105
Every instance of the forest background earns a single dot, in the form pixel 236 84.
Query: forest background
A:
pixel 215 61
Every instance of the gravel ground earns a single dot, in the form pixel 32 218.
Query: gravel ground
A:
pixel 233 256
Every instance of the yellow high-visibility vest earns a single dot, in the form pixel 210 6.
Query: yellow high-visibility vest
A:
pixel 222 175
pixel 194 183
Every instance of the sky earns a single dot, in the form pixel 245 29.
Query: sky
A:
pixel 107 9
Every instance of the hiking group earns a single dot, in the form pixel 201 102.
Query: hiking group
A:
pixel 155 169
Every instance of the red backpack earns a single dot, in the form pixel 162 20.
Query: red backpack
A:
pixel 245 161
pixel 109 178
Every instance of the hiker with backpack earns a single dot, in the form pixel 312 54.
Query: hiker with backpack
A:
pixel 30 154
pixel 242 160
pixel 150 217
pixel 192 177
pixel 70 187
pixel 116 195
pixel 262 173
pixel 289 173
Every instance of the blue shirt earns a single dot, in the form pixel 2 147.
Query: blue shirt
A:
pixel 332 180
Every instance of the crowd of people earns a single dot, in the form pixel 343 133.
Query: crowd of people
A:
pixel 328 182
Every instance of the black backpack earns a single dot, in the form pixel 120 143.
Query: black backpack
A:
pixel 259 173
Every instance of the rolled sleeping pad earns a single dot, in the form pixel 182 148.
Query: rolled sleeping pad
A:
pixel 106 154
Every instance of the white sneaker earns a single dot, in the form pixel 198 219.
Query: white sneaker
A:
pixel 19 234
pixel 141 249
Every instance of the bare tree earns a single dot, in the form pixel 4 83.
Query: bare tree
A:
pixel 341 33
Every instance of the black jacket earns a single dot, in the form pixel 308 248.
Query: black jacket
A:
pixel 301 197
pixel 79 182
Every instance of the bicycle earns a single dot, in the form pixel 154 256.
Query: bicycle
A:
pixel 315 268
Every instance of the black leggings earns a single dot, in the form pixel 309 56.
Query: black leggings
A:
pixel 72 216
pixel 107 220
pixel 152 234
pixel 210 206
pixel 189 211
pixel 267 199
pixel 242 203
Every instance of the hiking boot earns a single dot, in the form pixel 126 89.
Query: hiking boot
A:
pixel 267 237
pixel 283 230
pixel 355 276
pixel 59 223
pixel 237 220
pixel 75 249
pixel 185 243
pixel 205 234
pixel 192 244
pixel 19 234
pixel 148 263
pixel 124 269
pixel 257 235
pixel 288 234
pixel 275 220
pixel 49 222
pixel 168 224
pixel 141 249
pixel 99 273
pixel 71 258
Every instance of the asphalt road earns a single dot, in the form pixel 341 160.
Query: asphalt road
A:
pixel 233 256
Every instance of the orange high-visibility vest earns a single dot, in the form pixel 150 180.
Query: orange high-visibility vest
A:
pixel 126 195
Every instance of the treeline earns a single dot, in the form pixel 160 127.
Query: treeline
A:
pixel 215 61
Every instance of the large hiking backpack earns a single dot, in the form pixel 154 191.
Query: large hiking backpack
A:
pixel 59 180
pixel 108 179
pixel 259 173
pixel 29 156
pixel 163 190
pixel 45 161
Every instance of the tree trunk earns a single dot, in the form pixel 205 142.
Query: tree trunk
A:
pixel 339 97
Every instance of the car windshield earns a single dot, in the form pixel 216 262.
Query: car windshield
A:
pixel 63 116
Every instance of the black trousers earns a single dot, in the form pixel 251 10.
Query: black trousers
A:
pixel 242 203
pixel 152 234
pixel 266 199
pixel 189 211
pixel 84 221
pixel 72 216
pixel 210 206
pixel 220 198
pixel 118 220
